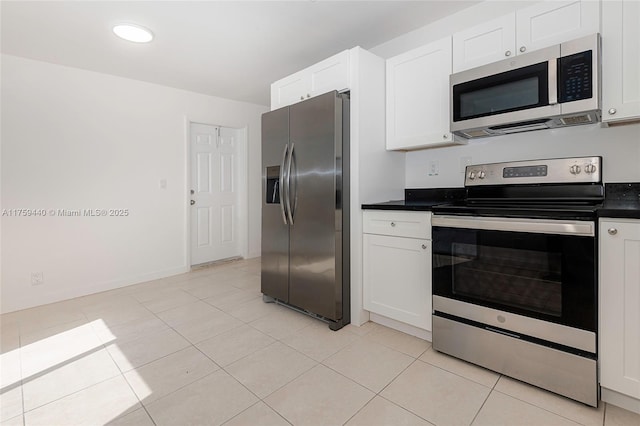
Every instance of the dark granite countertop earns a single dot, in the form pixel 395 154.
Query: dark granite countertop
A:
pixel 622 200
pixel 422 199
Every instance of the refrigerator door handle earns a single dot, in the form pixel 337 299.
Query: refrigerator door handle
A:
pixel 289 208
pixel 283 188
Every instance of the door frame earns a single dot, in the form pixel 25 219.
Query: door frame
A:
pixel 243 193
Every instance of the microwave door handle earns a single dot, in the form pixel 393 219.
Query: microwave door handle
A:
pixel 553 81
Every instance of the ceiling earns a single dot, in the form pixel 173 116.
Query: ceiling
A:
pixel 231 49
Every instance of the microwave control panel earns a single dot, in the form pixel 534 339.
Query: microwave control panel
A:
pixel 575 75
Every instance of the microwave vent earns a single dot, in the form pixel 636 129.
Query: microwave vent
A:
pixel 577 119
pixel 476 133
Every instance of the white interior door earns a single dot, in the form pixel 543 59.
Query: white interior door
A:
pixel 214 197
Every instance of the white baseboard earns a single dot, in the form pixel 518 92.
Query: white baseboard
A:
pixel 620 400
pixel 85 290
pixel 400 326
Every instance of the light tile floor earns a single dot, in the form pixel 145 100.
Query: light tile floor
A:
pixel 203 348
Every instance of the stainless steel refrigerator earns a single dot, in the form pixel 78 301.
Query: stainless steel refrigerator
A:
pixel 305 207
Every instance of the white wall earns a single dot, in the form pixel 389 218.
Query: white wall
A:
pixel 74 139
pixel 619 146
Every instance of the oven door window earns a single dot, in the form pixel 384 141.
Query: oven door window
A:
pixel 522 88
pixel 550 277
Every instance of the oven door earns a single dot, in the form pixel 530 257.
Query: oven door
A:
pixel 539 269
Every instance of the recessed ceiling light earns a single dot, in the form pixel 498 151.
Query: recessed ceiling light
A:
pixel 132 32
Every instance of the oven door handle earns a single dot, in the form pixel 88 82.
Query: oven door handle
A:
pixel 538 226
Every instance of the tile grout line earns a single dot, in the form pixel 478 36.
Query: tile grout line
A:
pixel 101 346
pixel 542 408
pixel 139 401
pixel 24 416
pixel 375 393
pixel 485 400
pixel 41 374
pixel 169 326
pixel 459 375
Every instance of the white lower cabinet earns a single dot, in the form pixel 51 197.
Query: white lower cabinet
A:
pixel 619 312
pixel 397 269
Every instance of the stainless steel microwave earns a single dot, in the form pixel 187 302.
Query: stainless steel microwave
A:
pixel 552 87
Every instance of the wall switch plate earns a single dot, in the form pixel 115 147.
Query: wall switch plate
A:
pixel 464 162
pixel 37 278
pixel 434 168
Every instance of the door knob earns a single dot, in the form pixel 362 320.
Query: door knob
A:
pixel 424 247
pixel 523 49
pixel 612 231
pixel 193 202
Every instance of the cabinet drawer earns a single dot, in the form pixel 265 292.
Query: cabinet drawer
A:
pixel 397 223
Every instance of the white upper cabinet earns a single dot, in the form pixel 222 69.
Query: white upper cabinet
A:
pixel 485 43
pixel 290 90
pixel 620 61
pixel 418 97
pixel 553 22
pixel 541 25
pixel 331 74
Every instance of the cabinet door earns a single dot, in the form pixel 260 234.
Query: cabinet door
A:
pixel 397 278
pixel 418 97
pixel 619 299
pixel 330 74
pixel 553 22
pixel 620 60
pixel 289 90
pixel 485 43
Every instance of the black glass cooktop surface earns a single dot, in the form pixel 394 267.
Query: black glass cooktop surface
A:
pixel 507 209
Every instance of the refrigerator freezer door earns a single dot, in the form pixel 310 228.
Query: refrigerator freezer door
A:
pixel 315 281
pixel 275 232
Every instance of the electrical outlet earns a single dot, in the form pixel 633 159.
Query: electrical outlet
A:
pixel 464 162
pixel 434 168
pixel 37 278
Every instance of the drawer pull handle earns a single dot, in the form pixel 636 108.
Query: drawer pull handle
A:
pixel 393 224
pixel 424 247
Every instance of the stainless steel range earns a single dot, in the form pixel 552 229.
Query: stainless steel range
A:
pixel 515 275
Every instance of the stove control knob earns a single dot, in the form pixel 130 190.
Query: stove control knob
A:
pixel 575 169
pixel 590 168
pixel 481 174
pixel 472 175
